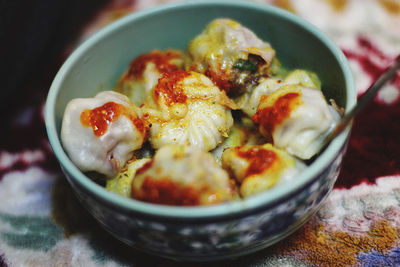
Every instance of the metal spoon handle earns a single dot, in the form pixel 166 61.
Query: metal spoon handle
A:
pixel 368 95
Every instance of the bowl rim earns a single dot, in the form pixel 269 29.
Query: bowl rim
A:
pixel 269 197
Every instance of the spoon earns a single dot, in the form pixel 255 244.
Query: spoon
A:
pixel 362 101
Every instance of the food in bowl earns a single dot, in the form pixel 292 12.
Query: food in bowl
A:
pixel 205 232
pixel 221 122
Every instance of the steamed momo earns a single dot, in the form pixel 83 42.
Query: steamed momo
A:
pixel 183 175
pixel 258 168
pixel 231 55
pixel 186 108
pixel 296 118
pixel 101 133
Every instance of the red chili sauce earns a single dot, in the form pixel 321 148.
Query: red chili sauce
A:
pixel 270 117
pixel 160 59
pixel 145 167
pixel 101 117
pixel 169 86
pixel 166 191
pixel 259 159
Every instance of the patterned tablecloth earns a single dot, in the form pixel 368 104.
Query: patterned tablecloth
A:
pixel 42 224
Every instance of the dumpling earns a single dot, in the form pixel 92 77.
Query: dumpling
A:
pixel 186 108
pixel 259 167
pixel 183 175
pixel 296 118
pixel 144 72
pixel 101 133
pixel 231 55
pixel 249 101
pixel 238 136
pixel 122 183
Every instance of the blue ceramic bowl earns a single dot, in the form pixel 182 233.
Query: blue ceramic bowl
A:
pixel 211 232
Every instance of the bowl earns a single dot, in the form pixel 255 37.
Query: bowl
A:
pixel 207 232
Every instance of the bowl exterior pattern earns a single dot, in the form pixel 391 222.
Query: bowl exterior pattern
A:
pixel 215 238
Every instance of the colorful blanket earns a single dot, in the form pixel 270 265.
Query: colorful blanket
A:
pixel 43 224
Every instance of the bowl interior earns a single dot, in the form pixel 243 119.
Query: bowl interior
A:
pixel 98 63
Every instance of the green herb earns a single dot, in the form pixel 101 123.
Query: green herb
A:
pixel 242 64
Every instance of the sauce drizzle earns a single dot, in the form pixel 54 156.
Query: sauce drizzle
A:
pixel 259 159
pixel 101 117
pixel 170 88
pixel 166 191
pixel 270 117
pixel 160 59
